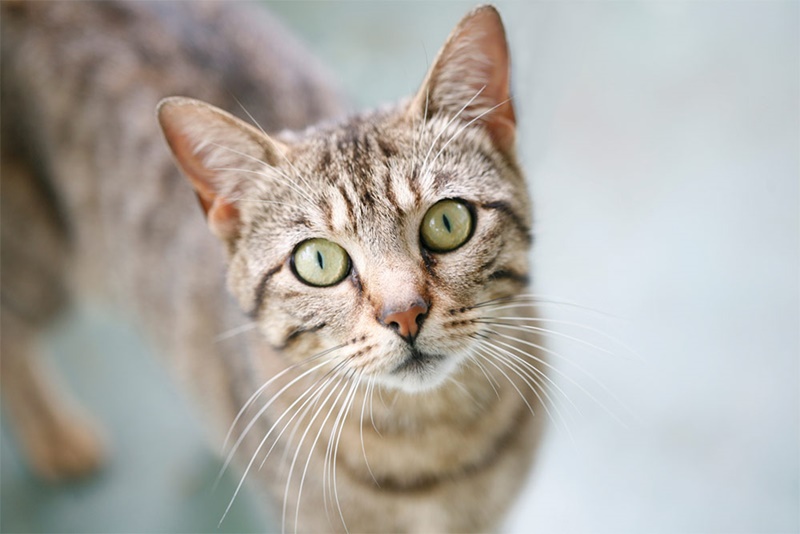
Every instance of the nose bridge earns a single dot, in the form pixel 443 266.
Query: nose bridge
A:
pixel 399 295
pixel 397 283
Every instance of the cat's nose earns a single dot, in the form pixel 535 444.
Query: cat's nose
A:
pixel 406 321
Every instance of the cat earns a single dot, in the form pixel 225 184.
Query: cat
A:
pixel 382 369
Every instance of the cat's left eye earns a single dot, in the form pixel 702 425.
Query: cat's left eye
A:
pixel 320 262
pixel 446 226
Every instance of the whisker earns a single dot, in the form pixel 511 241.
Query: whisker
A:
pixel 418 137
pixel 371 415
pixel 312 402
pixel 380 396
pixel 444 129
pixel 528 328
pixel 262 201
pixel 302 439
pixel 480 366
pixel 320 408
pixel 530 380
pixel 394 401
pixel 287 179
pixel 463 389
pixel 241 329
pixel 561 373
pixel 490 362
pixel 522 369
pixel 264 408
pixel 255 454
pixel 255 419
pixel 465 126
pixel 277 170
pixel 361 429
pixel 308 461
pixel 326 465
pixel 266 384
pixel 570 323
pixel 274 145
pixel 547 381
pixel 341 378
pixel 346 411
pixel 533 298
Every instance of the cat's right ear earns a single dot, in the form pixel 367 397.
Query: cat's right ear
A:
pixel 470 79
pixel 219 154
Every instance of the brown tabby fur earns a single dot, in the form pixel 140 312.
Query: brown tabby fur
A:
pixel 423 439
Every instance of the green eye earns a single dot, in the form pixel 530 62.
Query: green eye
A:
pixel 320 262
pixel 446 226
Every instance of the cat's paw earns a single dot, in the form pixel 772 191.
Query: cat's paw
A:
pixel 68 448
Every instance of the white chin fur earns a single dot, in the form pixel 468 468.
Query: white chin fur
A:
pixel 420 380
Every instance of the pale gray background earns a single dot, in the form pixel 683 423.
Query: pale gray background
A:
pixel 661 144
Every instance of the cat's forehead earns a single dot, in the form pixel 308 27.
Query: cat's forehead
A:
pixel 362 170
pixel 389 161
pixel 372 178
pixel 355 150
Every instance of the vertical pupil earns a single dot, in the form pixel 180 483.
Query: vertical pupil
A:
pixel 446 222
pixel 320 260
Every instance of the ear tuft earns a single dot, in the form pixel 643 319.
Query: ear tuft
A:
pixel 219 154
pixel 472 72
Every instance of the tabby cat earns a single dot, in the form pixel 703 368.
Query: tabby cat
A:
pixel 379 370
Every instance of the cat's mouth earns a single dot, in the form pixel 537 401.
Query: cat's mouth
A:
pixel 421 371
pixel 417 362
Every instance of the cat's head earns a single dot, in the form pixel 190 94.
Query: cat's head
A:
pixel 374 238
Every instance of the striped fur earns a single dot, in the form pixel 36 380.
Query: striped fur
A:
pixel 380 434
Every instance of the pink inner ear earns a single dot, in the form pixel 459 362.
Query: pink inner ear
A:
pixel 182 147
pixel 502 131
pixel 474 59
pixel 222 215
pixel 486 30
pixel 223 218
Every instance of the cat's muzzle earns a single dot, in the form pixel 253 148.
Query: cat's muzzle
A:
pixel 417 362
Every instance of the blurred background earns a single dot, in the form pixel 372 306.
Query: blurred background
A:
pixel 662 144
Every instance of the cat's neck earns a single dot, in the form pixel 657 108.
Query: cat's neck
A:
pixel 390 427
pixel 394 426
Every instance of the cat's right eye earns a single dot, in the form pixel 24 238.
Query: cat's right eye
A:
pixel 320 262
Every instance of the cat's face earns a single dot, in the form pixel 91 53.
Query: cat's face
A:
pixel 367 188
pixel 375 238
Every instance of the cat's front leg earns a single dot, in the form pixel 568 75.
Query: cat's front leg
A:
pixel 58 440
pixel 56 437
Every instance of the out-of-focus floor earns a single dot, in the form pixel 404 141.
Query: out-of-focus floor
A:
pixel 661 141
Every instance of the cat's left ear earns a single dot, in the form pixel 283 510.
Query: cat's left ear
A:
pixel 472 72
pixel 219 154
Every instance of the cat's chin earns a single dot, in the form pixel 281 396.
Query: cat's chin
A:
pixel 420 371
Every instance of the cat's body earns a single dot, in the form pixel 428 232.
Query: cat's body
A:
pixel 427 440
pixel 79 96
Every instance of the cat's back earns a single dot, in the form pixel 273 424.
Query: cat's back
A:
pixel 80 84
pixel 113 53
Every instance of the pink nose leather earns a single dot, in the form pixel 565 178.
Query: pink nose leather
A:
pixel 406 322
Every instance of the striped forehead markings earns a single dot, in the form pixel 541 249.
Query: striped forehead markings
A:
pixel 413 184
pixel 341 213
pixel 389 187
pixel 349 209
